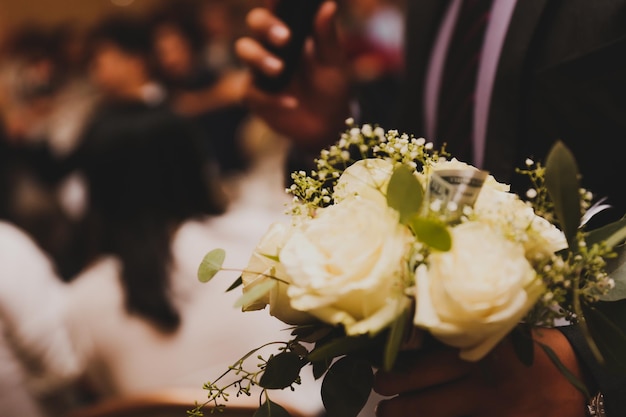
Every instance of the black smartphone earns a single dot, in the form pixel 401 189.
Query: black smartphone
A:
pixel 298 15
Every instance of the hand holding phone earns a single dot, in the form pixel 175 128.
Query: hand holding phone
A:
pixel 298 15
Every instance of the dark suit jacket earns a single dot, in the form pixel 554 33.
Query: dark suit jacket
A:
pixel 561 75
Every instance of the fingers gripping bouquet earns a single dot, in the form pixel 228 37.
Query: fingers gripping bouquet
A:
pixel 390 238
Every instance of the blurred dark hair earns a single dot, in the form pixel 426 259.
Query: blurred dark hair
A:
pixel 184 17
pixel 146 175
pixel 129 33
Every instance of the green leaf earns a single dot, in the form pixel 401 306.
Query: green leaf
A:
pixel 320 367
pixel 611 233
pixel 616 238
pixel 404 193
pixel 255 293
pixel 271 409
pixel 523 344
pixel 311 333
pixel 394 340
pixel 617 271
pixel 562 183
pixel 211 264
pixel 346 387
pixel 607 325
pixel 281 371
pixel 432 232
pixel 580 386
pixel 235 284
pixel 338 347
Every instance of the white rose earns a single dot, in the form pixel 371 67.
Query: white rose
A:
pixel 473 295
pixel 262 266
pixel 499 207
pixel 348 265
pixel 517 220
pixel 367 178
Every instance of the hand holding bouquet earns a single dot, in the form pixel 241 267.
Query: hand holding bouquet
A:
pixel 392 243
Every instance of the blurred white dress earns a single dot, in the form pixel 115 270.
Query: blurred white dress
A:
pixel 36 353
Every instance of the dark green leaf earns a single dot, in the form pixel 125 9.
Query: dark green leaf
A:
pixel 211 264
pixel 338 347
pixel 394 340
pixel 404 193
pixel 271 409
pixel 235 284
pixel 523 344
pixel 580 386
pixel 299 349
pixel 311 333
pixel 281 371
pixel 617 271
pixel 346 387
pixel 320 367
pixel 609 233
pixel 607 325
pixel 562 183
pixel 255 293
pixel 432 232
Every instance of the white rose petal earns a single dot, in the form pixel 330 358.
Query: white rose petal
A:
pixel 366 178
pixel 348 265
pixel 262 267
pixel 473 295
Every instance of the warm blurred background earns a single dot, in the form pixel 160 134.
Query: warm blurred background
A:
pixel 122 123
pixel 84 12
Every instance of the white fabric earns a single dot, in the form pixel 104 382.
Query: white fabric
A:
pixel 36 354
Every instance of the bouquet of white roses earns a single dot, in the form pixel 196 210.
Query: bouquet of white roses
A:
pixel 391 239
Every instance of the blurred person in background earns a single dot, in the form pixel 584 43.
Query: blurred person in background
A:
pixel 208 97
pixel 118 69
pixel 31 79
pixel 222 22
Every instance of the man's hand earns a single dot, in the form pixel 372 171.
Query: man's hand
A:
pixel 439 384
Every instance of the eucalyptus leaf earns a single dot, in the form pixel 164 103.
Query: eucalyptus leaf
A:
pixel 394 340
pixel 211 264
pixel 523 344
pixel 346 387
pixel 432 232
pixel 404 193
pixel 616 238
pixel 238 282
pixel 338 347
pixel 281 371
pixel 271 409
pixel 607 325
pixel 255 293
pixel 562 183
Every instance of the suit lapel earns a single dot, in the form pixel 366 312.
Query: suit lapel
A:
pixel 423 18
pixel 504 124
